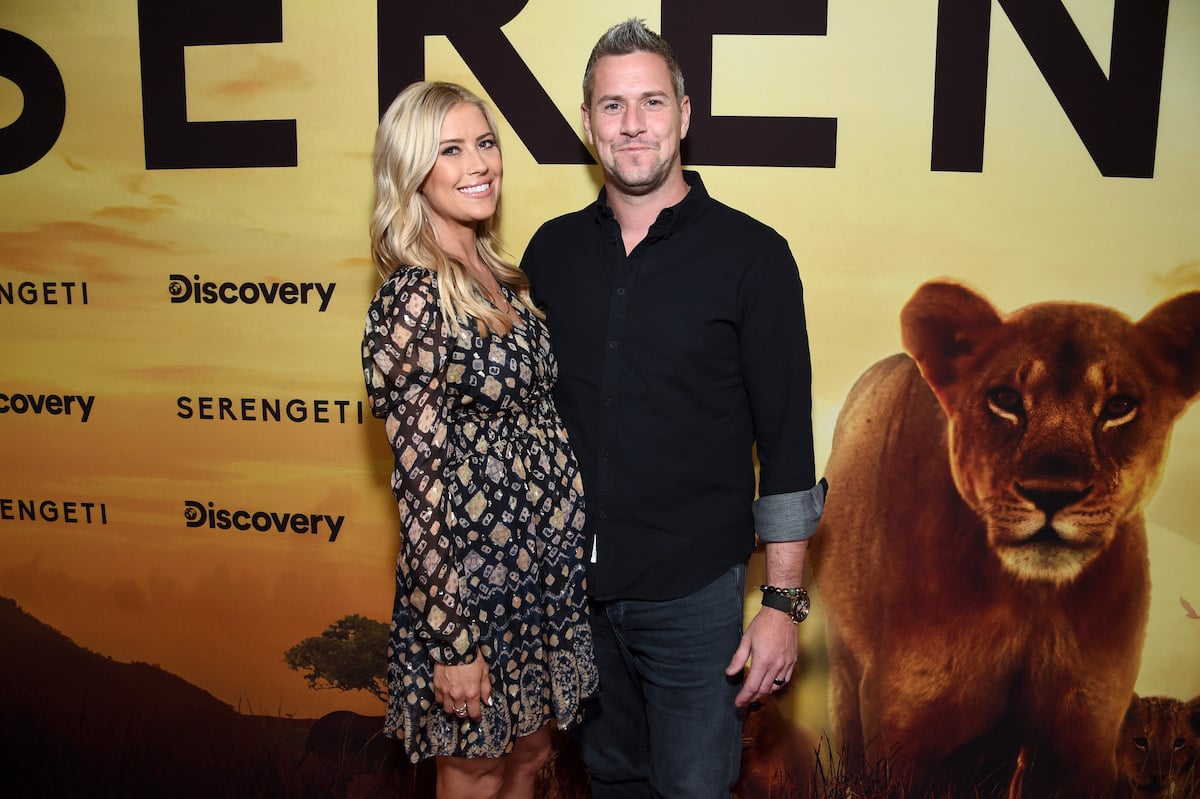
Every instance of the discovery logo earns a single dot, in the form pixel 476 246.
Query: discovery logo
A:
pixel 203 292
pixel 200 514
pixel 53 404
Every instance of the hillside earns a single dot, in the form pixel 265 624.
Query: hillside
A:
pixel 76 723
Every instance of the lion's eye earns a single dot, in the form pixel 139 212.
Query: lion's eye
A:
pixel 1006 402
pixel 1140 742
pixel 1178 743
pixel 1119 409
pixel 1119 406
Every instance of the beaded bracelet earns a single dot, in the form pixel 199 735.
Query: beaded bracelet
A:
pixel 774 589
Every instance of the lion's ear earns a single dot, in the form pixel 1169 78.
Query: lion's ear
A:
pixel 1192 711
pixel 1173 328
pixel 1131 712
pixel 943 325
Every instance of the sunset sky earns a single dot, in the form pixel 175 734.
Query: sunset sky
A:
pixel 220 607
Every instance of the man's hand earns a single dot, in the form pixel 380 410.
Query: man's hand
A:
pixel 770 644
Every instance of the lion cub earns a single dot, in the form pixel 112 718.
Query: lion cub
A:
pixel 1159 746
pixel 983 554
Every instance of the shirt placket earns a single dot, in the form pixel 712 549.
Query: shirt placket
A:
pixel 619 279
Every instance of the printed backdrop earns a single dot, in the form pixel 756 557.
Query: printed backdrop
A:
pixel 190 478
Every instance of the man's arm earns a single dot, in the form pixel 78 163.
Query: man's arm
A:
pixel 773 338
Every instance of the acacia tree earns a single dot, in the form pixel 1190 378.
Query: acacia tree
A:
pixel 351 656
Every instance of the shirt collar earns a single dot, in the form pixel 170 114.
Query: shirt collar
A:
pixel 670 217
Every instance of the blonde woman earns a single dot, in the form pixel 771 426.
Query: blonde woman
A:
pixel 490 641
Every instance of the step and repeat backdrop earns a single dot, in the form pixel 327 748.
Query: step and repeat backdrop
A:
pixel 190 479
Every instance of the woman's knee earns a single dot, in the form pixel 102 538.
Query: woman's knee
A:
pixel 530 752
pixel 469 778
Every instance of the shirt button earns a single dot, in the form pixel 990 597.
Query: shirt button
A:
pixel 601 514
pixel 607 401
pixel 621 291
pixel 612 345
pixel 605 458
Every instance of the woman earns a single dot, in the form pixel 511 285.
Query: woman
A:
pixel 490 641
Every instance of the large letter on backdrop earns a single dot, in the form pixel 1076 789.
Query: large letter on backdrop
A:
pixel 721 141
pixel 473 27
pixel 1116 117
pixel 165 27
pixel 34 132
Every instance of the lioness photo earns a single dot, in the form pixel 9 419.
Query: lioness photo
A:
pixel 983 554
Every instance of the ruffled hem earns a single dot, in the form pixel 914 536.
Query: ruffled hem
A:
pixel 551 690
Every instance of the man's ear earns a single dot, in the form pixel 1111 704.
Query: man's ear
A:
pixel 587 123
pixel 685 114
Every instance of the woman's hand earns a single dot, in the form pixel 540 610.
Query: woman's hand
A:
pixel 462 690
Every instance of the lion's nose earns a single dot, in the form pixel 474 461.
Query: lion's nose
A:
pixel 1049 501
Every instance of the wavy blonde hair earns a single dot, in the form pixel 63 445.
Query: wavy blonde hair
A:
pixel 402 231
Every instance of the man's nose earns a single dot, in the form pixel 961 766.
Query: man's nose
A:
pixel 633 121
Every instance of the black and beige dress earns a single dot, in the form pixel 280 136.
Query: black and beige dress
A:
pixel 491 514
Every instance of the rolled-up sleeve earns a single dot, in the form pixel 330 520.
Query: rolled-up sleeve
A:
pixel 779 518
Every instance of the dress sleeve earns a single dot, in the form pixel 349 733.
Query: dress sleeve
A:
pixel 405 348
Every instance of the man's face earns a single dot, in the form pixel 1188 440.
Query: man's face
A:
pixel 634 121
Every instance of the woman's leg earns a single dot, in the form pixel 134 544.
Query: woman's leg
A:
pixel 521 767
pixel 470 777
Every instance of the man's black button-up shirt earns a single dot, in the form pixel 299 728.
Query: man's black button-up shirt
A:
pixel 675 361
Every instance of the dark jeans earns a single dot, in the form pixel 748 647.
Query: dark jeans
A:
pixel 665 724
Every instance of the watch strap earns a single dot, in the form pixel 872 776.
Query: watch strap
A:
pixel 777 601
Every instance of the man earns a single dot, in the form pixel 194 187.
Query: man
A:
pixel 679 328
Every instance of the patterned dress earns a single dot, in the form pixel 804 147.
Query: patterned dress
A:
pixel 491 513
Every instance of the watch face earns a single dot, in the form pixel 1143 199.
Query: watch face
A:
pixel 800 610
pixel 800 606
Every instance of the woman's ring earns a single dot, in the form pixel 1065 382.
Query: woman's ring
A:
pixel 778 681
pixel 461 711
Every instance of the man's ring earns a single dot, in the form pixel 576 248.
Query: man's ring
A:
pixel 461 711
pixel 778 681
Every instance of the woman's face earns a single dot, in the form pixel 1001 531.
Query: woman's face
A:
pixel 463 187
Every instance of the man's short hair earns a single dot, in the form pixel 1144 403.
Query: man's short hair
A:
pixel 624 38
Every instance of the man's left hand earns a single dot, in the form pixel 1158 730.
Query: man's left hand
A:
pixel 770 644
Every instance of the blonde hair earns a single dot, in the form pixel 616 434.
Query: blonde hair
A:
pixel 402 231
